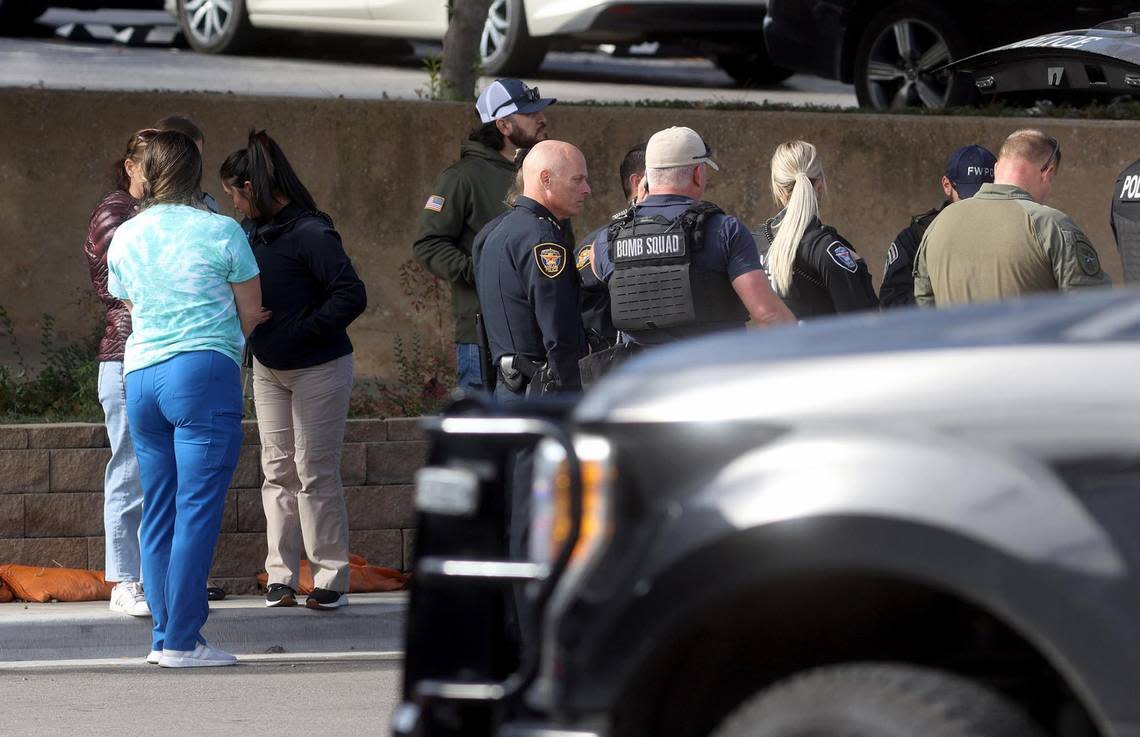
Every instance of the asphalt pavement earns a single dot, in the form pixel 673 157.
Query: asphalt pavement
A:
pixel 352 67
pixel 247 700
pixel 78 669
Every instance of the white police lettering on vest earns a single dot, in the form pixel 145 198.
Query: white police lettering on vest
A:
pixel 650 246
pixel 1131 188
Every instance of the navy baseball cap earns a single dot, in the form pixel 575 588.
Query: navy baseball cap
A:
pixel 969 168
pixel 505 97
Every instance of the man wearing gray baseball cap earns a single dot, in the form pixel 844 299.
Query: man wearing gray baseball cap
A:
pixel 469 194
pixel 677 266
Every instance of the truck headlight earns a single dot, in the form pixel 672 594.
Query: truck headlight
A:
pixel 550 499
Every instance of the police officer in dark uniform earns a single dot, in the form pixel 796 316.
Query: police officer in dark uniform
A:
pixel 600 331
pixel 679 267
pixel 526 282
pixel 812 267
pixel 966 171
pixel 1126 221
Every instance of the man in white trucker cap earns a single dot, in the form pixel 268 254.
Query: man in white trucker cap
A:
pixel 470 193
pixel 676 147
pixel 672 238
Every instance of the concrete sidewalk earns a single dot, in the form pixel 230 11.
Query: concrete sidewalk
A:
pixel 240 624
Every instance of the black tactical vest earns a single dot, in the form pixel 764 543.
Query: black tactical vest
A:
pixel 1126 221
pixel 655 285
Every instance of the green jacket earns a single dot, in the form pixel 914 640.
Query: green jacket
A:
pixel 1000 244
pixel 465 196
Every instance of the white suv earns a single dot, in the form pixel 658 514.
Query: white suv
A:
pixel 517 33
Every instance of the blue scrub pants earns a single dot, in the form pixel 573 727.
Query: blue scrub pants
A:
pixel 185 420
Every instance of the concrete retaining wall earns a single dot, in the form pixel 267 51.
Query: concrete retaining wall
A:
pixel 370 165
pixel 51 497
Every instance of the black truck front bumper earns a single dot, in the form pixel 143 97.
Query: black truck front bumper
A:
pixel 464 674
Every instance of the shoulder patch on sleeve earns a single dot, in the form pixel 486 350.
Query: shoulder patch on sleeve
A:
pixel 1087 258
pixel 892 255
pixel 585 256
pixel 843 256
pixel 435 203
pixel 551 259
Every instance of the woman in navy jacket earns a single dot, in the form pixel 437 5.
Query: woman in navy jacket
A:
pixel 302 370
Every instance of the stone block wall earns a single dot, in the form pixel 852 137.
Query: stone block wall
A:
pixel 51 497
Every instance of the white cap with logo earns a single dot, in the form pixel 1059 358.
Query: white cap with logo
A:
pixel 677 146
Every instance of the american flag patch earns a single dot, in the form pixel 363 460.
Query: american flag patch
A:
pixel 435 202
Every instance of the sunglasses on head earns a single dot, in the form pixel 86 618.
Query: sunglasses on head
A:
pixel 1054 156
pixel 530 94
pixel 706 155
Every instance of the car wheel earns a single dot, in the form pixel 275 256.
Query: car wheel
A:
pixel 17 16
pixel 215 26
pixel 506 46
pixel 899 57
pixel 877 700
pixel 752 67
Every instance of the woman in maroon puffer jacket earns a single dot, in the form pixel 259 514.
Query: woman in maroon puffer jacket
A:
pixel 122 490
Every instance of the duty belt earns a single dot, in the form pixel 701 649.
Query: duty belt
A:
pixel 517 371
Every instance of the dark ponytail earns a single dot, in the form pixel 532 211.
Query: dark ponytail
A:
pixel 262 163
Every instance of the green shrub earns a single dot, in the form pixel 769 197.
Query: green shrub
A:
pixel 65 388
pixel 425 371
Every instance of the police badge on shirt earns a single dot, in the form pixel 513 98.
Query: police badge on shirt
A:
pixel 843 256
pixel 551 259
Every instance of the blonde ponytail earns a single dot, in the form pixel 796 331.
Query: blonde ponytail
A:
pixel 795 170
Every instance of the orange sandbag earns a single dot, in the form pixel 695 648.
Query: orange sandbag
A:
pixel 38 583
pixel 362 578
pixel 6 594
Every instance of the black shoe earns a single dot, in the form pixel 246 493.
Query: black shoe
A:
pixel 280 595
pixel 215 593
pixel 325 599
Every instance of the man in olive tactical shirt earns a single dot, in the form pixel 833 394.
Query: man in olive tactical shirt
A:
pixel 467 195
pixel 1004 242
pixel 967 170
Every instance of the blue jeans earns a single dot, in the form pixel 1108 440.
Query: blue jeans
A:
pixel 185 416
pixel 469 367
pixel 122 489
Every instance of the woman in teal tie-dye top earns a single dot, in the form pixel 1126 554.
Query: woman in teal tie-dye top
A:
pixel 191 283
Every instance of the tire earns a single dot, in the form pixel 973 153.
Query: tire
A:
pixel 17 16
pixel 506 47
pixel 877 700
pixel 899 54
pixel 752 68
pixel 216 26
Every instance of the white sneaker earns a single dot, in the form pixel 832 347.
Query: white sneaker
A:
pixel 153 656
pixel 202 656
pixel 127 598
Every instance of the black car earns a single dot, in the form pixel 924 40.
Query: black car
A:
pixel 921 523
pixel 895 51
pixel 1095 64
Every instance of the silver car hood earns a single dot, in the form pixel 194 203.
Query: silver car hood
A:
pixel 1020 368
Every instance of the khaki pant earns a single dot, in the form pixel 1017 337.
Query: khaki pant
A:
pixel 300 417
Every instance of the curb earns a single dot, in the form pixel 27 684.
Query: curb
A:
pixel 13 666
pixel 243 625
